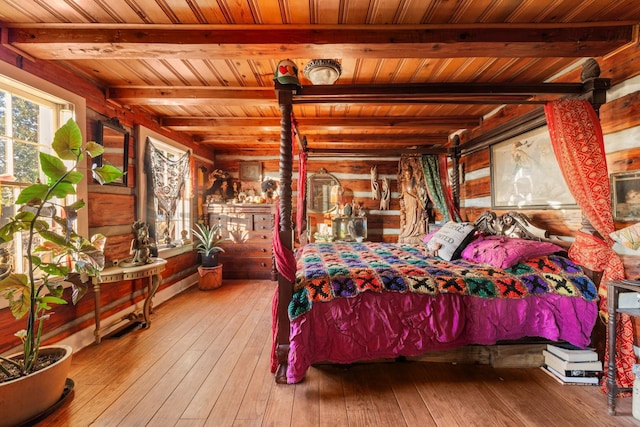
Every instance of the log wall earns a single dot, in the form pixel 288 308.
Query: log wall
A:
pixel 111 210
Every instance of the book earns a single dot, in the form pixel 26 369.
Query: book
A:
pixel 571 380
pixel 571 353
pixel 565 367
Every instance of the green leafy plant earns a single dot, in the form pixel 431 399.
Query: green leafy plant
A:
pixel 52 253
pixel 207 240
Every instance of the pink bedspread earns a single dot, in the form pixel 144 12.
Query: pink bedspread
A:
pixel 390 324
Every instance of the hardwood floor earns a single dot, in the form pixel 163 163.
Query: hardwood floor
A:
pixel 205 362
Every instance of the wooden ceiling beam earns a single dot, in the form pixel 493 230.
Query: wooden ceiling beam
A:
pixel 199 124
pixel 191 95
pixel 434 93
pixel 81 42
pixel 435 89
pixel 380 152
pixel 402 139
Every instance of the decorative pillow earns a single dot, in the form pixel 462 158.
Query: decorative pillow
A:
pixel 504 252
pixel 449 241
pixel 628 236
pixel 428 237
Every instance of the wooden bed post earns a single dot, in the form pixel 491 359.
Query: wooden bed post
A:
pixel 455 176
pixel 285 287
pixel 595 87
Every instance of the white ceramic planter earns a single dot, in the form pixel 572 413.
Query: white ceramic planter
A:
pixel 26 397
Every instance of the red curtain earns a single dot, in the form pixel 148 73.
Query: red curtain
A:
pixel 576 135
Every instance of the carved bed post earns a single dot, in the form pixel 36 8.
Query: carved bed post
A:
pixel 455 176
pixel 595 87
pixel 285 287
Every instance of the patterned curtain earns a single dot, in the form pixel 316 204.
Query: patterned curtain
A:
pixel 168 177
pixel 447 189
pixel 438 187
pixel 578 144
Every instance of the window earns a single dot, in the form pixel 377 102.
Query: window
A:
pixel 28 120
pixel 173 192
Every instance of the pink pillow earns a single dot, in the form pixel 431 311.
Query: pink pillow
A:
pixel 504 252
pixel 428 237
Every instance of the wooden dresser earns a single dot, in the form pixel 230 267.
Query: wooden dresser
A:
pixel 247 229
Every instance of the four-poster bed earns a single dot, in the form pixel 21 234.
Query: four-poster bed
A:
pixel 298 344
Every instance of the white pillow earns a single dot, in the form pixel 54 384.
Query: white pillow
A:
pixel 449 241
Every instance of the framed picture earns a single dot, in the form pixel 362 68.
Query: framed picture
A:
pixel 625 195
pixel 525 174
pixel 250 171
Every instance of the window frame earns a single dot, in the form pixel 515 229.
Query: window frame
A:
pixel 79 106
pixel 48 90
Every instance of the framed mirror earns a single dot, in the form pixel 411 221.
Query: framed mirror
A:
pixel 115 140
pixel 323 191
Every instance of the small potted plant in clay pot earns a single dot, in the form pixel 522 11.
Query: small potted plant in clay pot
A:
pixel 208 241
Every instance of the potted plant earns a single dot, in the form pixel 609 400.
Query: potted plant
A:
pixel 208 246
pixel 52 255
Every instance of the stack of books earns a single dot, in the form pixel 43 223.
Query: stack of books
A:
pixel 572 365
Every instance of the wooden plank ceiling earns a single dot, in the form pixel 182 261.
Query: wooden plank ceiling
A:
pixel 206 68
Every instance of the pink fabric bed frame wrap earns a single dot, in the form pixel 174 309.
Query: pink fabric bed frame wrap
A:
pixel 388 325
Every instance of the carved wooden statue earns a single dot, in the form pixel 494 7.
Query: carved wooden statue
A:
pixel 385 197
pixel 413 200
pixel 375 189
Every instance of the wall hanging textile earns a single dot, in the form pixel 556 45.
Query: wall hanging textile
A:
pixel 436 181
pixel 168 177
pixel 447 190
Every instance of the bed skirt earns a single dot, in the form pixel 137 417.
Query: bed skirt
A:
pixel 388 325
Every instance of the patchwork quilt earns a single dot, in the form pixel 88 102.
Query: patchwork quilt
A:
pixel 326 271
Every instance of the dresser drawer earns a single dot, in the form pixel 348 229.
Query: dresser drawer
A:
pixel 247 268
pixel 263 225
pixel 248 233
pixel 240 237
pixel 247 249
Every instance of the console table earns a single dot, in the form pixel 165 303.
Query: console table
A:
pixel 117 274
pixel 613 291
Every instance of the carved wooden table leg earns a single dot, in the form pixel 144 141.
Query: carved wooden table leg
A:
pixel 154 283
